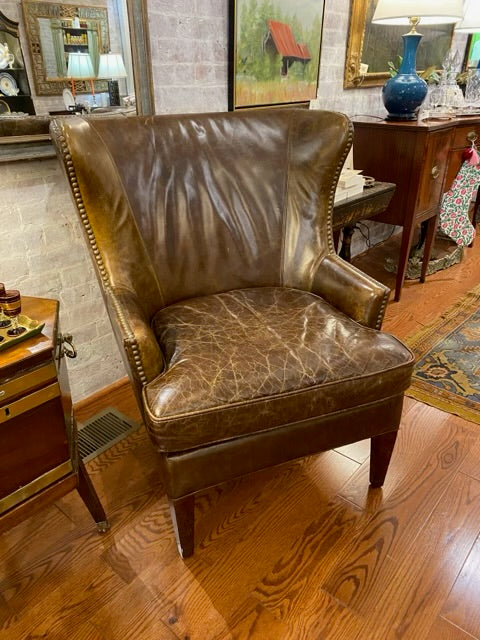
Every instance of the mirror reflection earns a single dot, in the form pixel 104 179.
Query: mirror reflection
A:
pixel 58 38
pixel 57 33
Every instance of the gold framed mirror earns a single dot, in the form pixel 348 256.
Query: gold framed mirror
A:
pixel 371 46
pixel 53 31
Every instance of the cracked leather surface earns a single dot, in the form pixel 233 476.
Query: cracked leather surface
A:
pixel 254 359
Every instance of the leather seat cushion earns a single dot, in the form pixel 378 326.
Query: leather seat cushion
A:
pixel 254 359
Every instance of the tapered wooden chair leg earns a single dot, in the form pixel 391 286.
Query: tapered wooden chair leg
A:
pixel 381 449
pixel 182 511
pixel 89 496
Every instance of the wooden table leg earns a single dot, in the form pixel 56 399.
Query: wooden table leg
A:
pixel 427 249
pixel 336 238
pixel 407 235
pixel 345 251
pixel 89 496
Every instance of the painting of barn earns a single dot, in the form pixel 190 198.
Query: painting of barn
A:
pixel 274 51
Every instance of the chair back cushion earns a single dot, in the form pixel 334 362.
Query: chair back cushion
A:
pixel 190 205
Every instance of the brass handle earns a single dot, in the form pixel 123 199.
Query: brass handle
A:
pixel 472 136
pixel 69 351
pixel 435 172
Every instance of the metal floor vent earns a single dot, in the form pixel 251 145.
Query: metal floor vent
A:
pixel 102 431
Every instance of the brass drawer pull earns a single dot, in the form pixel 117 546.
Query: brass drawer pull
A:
pixel 435 172
pixel 67 348
pixel 472 136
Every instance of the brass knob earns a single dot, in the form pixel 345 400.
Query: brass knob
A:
pixel 472 136
pixel 435 172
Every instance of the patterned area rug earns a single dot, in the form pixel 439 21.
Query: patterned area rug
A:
pixel 447 373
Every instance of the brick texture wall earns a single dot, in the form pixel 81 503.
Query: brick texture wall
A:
pixel 46 254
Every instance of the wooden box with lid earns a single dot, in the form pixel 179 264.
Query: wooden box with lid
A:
pixel 39 459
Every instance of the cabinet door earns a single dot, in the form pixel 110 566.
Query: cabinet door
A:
pixel 433 171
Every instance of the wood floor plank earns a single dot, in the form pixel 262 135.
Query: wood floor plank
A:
pixel 137 621
pixel 279 518
pixel 462 607
pixel 427 453
pixel 292 589
pixel 32 537
pixel 411 592
pixel 358 451
pixel 417 484
pixel 284 489
pixel 470 465
pixel 56 611
pixel 442 629
pixel 252 622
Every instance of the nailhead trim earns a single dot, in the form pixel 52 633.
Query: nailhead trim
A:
pixel 331 197
pixel 381 313
pixel 130 341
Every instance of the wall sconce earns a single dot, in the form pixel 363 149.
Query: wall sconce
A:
pixel 110 68
pixel 404 93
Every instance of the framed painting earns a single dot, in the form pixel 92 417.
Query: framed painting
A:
pixel 371 47
pixel 472 55
pixel 274 52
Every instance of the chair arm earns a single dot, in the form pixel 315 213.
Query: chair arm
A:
pixel 351 291
pixel 132 329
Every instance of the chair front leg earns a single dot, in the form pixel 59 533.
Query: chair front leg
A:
pixel 381 449
pixel 182 511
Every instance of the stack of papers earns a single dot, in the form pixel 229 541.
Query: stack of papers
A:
pixel 350 184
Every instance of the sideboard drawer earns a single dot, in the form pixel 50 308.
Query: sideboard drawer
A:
pixel 463 135
pixel 433 171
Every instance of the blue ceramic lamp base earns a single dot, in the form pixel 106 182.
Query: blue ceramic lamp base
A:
pixel 404 93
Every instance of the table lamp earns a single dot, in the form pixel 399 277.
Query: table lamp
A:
pixel 80 67
pixel 471 18
pixel 110 68
pixel 404 93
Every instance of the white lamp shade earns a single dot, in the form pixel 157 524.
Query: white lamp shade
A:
pixel 79 66
pixel 111 66
pixel 471 18
pixel 429 11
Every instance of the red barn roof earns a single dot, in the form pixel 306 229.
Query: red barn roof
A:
pixel 285 41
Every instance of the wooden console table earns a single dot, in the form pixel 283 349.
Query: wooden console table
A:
pixel 422 159
pixel 39 460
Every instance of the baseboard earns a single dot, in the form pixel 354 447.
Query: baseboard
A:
pixel 102 398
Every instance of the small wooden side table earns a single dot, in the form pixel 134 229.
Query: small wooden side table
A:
pixel 39 459
pixel 368 204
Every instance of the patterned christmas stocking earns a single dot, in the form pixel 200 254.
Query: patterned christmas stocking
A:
pixel 454 220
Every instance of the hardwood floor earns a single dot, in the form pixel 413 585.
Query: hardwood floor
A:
pixel 304 551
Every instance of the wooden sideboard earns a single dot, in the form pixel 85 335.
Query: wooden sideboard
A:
pixel 422 159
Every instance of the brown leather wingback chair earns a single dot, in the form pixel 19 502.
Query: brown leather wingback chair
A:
pixel 247 340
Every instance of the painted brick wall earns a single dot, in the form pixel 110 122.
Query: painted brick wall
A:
pixel 46 254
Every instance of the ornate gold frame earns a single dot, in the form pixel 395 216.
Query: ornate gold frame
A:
pixel 352 77
pixel 32 10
